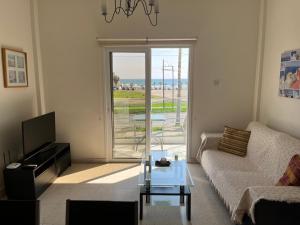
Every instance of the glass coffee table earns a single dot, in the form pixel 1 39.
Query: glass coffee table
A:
pixel 174 180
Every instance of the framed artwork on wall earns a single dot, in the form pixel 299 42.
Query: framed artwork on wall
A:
pixel 14 64
pixel 289 82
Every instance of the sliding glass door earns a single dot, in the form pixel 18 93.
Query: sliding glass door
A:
pixel 149 101
pixel 169 100
pixel 128 98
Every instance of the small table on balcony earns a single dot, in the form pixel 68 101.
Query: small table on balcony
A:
pixel 154 118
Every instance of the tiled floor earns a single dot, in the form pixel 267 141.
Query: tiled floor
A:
pixel 119 182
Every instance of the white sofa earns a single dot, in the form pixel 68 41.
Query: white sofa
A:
pixel 243 181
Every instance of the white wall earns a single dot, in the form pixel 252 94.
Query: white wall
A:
pixel 16 104
pixel 282 33
pixel 226 51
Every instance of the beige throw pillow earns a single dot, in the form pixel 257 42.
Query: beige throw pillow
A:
pixel 234 141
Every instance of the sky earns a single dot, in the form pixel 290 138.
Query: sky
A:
pixel 132 65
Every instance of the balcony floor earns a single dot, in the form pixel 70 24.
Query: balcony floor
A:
pixel 129 151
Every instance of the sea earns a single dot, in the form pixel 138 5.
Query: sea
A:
pixel 154 82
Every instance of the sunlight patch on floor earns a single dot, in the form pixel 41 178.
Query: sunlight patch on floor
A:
pixel 81 173
pixel 118 177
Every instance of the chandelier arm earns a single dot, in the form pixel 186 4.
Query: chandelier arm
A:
pixel 127 7
pixel 144 3
pixel 135 4
pixel 118 8
pixel 123 10
pixel 117 11
pixel 129 11
pixel 151 9
pixel 113 15
pixel 154 24
pixel 131 8
pixel 147 11
pixel 111 18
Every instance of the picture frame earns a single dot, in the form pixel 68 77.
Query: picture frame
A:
pixel 14 64
pixel 289 80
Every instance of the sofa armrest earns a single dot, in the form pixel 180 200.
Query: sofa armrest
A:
pixel 208 141
pixel 269 203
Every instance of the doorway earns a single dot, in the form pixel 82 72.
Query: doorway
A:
pixel 148 101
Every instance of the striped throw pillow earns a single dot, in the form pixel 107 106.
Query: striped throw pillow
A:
pixel 291 177
pixel 234 141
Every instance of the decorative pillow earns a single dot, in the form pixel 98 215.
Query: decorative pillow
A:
pixel 234 141
pixel 291 177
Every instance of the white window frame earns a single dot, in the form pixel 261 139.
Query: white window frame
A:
pixel 107 94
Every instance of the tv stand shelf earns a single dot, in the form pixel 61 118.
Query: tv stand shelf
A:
pixel 35 175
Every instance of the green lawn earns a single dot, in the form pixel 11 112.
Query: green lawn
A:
pixel 143 129
pixel 156 108
pixel 129 94
pixel 136 103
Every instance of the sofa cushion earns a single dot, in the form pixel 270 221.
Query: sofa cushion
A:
pixel 214 161
pixel 291 177
pixel 232 184
pixel 289 147
pixel 234 141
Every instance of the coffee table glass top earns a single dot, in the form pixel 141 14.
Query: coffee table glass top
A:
pixel 177 174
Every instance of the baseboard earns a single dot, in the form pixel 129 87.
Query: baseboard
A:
pixel 103 160
pixel 192 160
pixel 89 160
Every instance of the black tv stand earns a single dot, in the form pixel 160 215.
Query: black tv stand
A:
pixel 37 172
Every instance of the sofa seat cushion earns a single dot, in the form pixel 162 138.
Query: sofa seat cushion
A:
pixel 214 161
pixel 232 184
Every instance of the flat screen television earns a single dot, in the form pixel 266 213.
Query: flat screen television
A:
pixel 38 133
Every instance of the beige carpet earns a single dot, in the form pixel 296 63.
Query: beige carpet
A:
pixel 119 182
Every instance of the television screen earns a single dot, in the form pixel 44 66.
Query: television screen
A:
pixel 38 133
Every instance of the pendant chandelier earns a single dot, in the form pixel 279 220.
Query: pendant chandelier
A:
pixel 151 9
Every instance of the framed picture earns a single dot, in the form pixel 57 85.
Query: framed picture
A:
pixel 289 81
pixel 14 68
